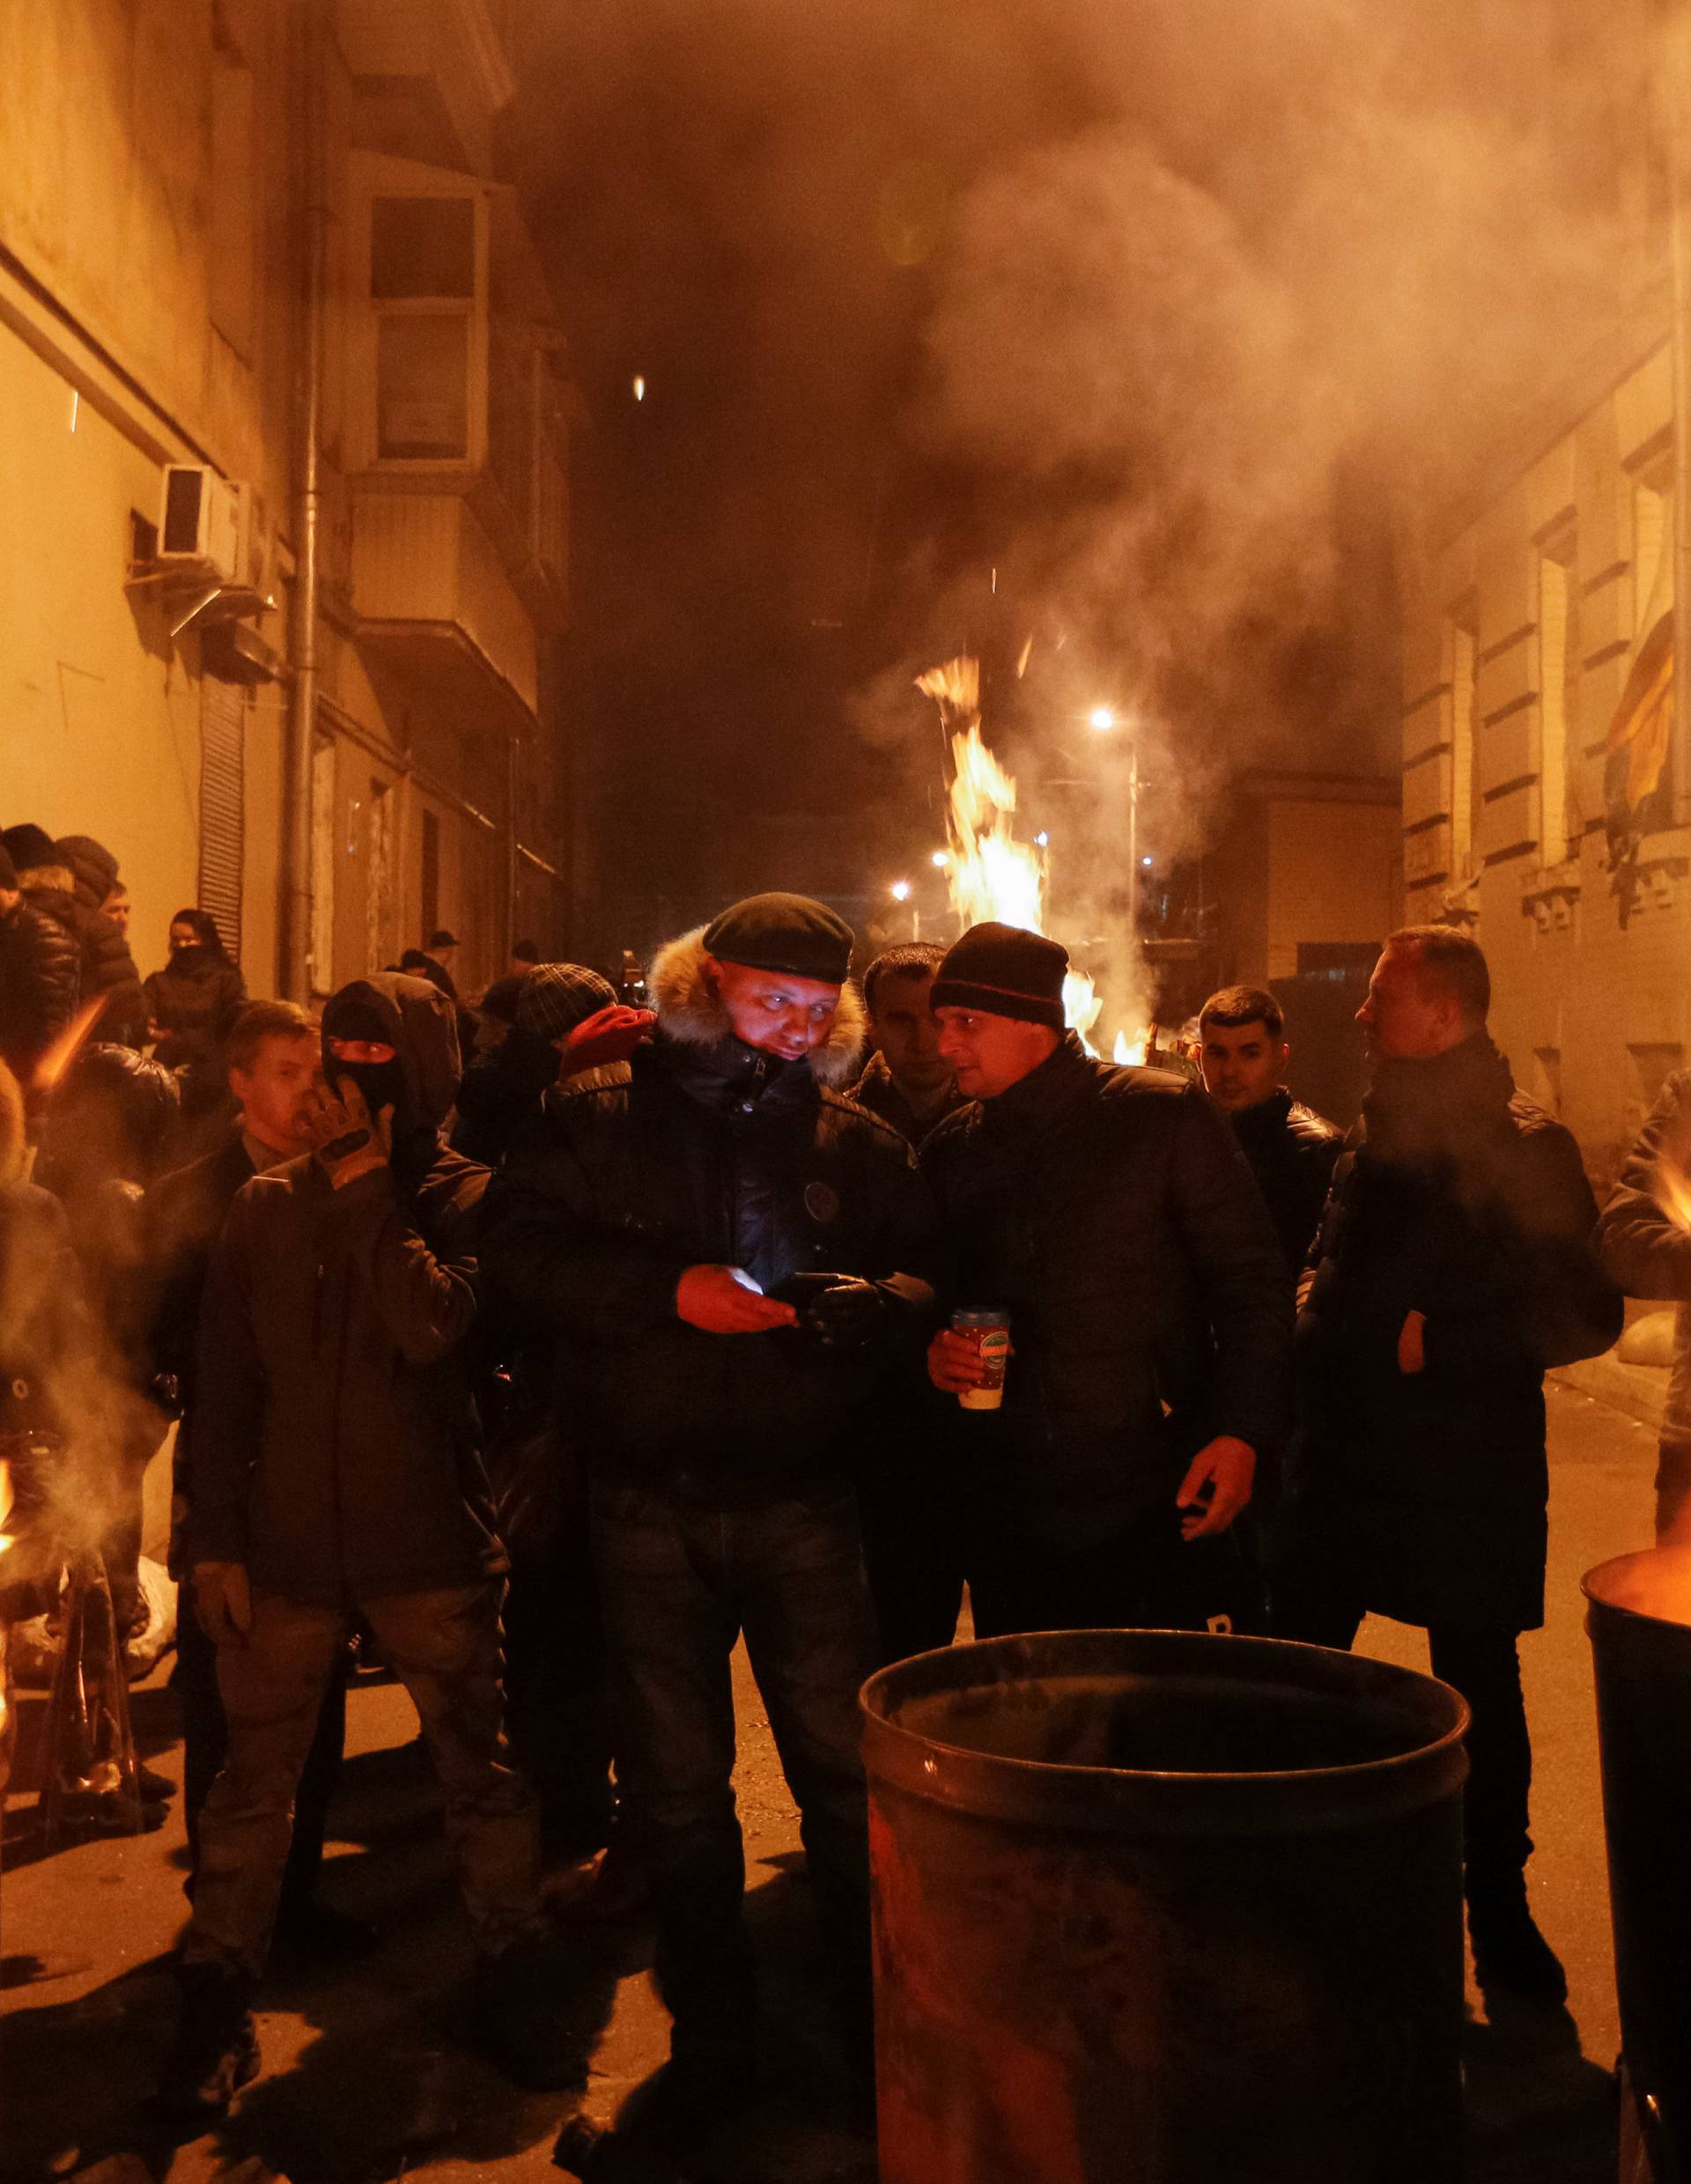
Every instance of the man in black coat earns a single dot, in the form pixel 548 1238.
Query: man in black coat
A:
pixel 728 1255
pixel 1243 1053
pixel 1453 1266
pixel 336 1473
pixel 272 1069
pixel 41 974
pixel 1110 1211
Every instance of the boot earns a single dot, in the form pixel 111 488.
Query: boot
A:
pixel 1511 1955
pixel 526 2019
pixel 216 2049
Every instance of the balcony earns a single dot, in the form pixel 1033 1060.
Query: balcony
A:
pixel 445 58
pixel 437 616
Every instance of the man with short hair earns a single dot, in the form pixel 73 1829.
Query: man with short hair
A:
pixel 908 1082
pixel 729 1255
pixel 271 1060
pixel 1453 1266
pixel 337 1474
pixel 1243 1053
pixel 1109 1212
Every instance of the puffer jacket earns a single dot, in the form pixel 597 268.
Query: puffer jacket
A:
pixel 41 977
pixel 1422 1495
pixel 72 893
pixel 1292 1151
pixel 335 1442
pixel 1644 1238
pixel 1110 1211
pixel 702 1150
pixel 191 1004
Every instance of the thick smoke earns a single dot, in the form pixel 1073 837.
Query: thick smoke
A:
pixel 1180 317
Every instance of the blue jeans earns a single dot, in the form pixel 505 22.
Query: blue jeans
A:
pixel 678 1587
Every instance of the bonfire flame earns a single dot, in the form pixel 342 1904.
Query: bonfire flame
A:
pixel 989 873
pixel 1673 1193
pixel 5 1502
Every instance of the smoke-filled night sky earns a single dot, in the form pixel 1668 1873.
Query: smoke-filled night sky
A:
pixel 1139 330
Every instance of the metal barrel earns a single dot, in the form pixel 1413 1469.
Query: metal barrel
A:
pixel 1638 1615
pixel 1157 1908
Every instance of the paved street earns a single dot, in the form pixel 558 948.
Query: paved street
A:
pixel 371 2074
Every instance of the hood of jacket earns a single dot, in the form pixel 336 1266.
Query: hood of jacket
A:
pixel 690 1011
pixel 53 887
pixel 93 867
pixel 422 1028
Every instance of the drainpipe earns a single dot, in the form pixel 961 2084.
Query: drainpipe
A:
pixel 314 217
pixel 512 790
pixel 1673 107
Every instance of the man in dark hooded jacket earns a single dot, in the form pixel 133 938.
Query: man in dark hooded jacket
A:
pixel 1453 1265
pixel 41 974
pixel 108 966
pixel 729 1255
pixel 336 1473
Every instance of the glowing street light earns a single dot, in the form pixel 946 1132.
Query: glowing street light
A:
pixel 901 890
pixel 940 860
pixel 1042 841
pixel 1102 718
pixel 640 387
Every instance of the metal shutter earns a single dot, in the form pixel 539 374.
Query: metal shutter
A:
pixel 223 805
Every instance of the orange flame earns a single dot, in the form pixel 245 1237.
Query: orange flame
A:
pixel 58 1057
pixel 1673 1194
pixel 5 1502
pixel 989 873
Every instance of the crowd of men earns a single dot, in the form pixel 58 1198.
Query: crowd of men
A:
pixel 637 1333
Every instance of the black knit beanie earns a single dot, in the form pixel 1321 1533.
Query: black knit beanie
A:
pixel 1003 971
pixel 787 933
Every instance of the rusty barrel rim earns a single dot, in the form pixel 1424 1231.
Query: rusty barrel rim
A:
pixel 1608 1584
pixel 1108 1800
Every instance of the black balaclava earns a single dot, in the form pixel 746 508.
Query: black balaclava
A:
pixel 372 1017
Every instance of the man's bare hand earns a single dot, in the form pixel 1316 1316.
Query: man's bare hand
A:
pixel 954 1362
pixel 714 1298
pixel 223 1600
pixel 346 1141
pixel 609 1035
pixel 1226 1467
pixel 1412 1344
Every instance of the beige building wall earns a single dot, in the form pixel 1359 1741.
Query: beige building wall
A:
pixel 1517 643
pixel 1332 877
pixel 148 171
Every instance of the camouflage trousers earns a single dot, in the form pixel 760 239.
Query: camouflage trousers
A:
pixel 444 1647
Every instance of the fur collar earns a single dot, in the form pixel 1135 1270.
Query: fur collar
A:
pixel 48 879
pixel 690 1011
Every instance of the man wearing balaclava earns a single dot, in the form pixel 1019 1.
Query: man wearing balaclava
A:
pixel 337 1474
pixel 728 1254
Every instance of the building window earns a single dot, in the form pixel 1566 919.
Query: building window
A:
pixel 421 365
pixel 379 870
pixel 1558 688
pixel 1652 560
pixel 1461 637
pixel 223 807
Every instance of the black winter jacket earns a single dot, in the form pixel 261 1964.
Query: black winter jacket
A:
pixel 41 976
pixel 1644 1238
pixel 1291 1150
pixel 500 1095
pixel 702 1151
pixel 72 894
pixel 1110 1212
pixel 1422 1495
pixel 877 1089
pixel 335 1443
pixel 191 1004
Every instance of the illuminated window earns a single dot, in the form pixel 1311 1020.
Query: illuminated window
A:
pixel 1461 638
pixel 1558 688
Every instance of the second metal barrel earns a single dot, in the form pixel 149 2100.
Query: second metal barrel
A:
pixel 1161 1908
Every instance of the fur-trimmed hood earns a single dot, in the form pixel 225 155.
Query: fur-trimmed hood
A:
pixel 690 1011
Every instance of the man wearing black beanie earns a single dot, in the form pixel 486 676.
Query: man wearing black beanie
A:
pixel 1110 1214
pixel 729 1256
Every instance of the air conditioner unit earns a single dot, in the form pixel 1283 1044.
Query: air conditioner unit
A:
pixel 205 523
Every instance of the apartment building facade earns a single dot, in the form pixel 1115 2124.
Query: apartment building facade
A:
pixel 165 169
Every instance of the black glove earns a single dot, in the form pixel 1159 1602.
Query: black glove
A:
pixel 841 1312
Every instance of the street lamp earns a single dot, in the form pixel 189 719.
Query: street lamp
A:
pixel 1102 718
pixel 901 890
pixel 940 860
pixel 900 893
